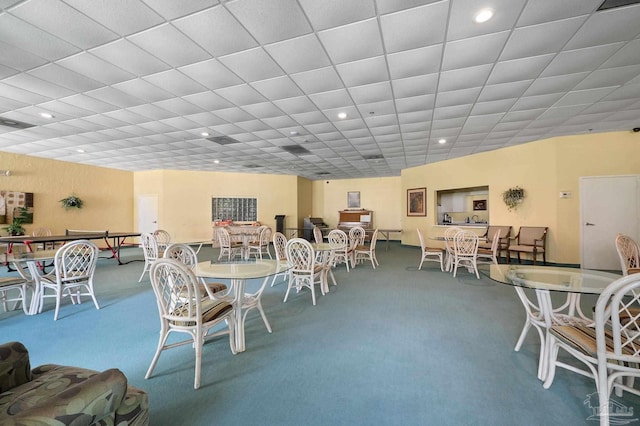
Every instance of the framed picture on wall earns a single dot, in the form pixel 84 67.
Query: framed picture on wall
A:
pixel 479 204
pixel 353 200
pixel 417 202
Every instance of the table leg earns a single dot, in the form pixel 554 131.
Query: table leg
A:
pixel 238 289
pixel 36 297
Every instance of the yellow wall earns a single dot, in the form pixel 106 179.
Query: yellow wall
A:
pixel 382 196
pixel 184 198
pixel 543 169
pixel 107 193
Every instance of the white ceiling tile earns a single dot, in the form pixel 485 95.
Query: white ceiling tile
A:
pixel 299 54
pixel 211 74
pixel 130 57
pixel 458 111
pixel 418 103
pixel 242 94
pixel 178 106
pixel 22 35
pixel 232 115
pixel 540 39
pixel 208 101
pixel 363 72
pixel 415 86
pixel 363 41
pixel 95 68
pixel 473 51
pixel 63 21
pixel 320 80
pixel 535 102
pixel 628 55
pixel 86 102
pixel 171 9
pixel 379 109
pixel 252 65
pixel 277 88
pixel 285 18
pixel 217 31
pixel 492 107
pixel 36 85
pixel 621 25
pixel 19 59
pixel 151 111
pixel 555 84
pixel 519 69
pixel 464 78
pixel 581 97
pixel 63 77
pixel 123 17
pixel 142 90
pixel 406 30
pixel 390 6
pixel 462 25
pixel 493 92
pixel 263 110
pixel 170 45
pixel 334 13
pixel 175 82
pixel 415 62
pixel 573 61
pixel 540 11
pixel 333 99
pixel 375 92
pixel 295 105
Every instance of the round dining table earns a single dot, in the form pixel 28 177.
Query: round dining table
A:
pixel 544 280
pixel 238 272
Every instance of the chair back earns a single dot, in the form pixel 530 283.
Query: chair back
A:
pixel 449 234
pixel 163 239
pixel 628 252
pixel 374 240
pixel 357 236
pixel 224 238
pixel 41 232
pixel 279 245
pixel 149 247
pixel 532 236
pixel 76 261
pixel 301 256
pixel 265 236
pixel 421 238
pixel 183 253
pixel 615 313
pixel 338 238
pixel 177 293
pixel 465 244
pixel 317 235
pixel 505 233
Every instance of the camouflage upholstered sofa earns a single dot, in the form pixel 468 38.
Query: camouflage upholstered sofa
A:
pixel 60 395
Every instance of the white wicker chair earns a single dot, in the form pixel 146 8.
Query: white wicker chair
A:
pixel 74 267
pixel 229 248
pixel 279 246
pixel 261 245
pixel 163 239
pixel 186 255
pixel 304 271
pixel 610 351
pixel 183 310
pixel 489 255
pixel 449 233
pixel 368 252
pixel 429 253
pixel 357 235
pixel 340 240
pixel 465 250
pixel 150 251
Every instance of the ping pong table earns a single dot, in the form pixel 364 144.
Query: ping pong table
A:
pixel 117 240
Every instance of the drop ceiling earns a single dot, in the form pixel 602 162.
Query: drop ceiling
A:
pixel 153 84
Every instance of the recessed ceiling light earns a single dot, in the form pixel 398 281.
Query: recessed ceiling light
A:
pixel 441 141
pixel 216 161
pixel 483 15
pixel 205 134
pixel 80 150
pixel 45 115
pixel 293 133
pixel 342 115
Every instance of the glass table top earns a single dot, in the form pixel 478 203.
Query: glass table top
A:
pixel 553 278
pixel 240 269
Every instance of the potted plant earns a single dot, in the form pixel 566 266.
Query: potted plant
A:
pixel 72 201
pixel 21 216
pixel 512 197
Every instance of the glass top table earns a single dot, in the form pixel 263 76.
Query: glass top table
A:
pixel 552 278
pixel 540 313
pixel 238 271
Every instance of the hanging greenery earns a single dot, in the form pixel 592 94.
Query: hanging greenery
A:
pixel 71 202
pixel 513 197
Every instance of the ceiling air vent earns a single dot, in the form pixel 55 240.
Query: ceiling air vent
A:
pixel 322 173
pixel 373 157
pixel 223 140
pixel 611 4
pixel 252 166
pixel 295 149
pixel 14 123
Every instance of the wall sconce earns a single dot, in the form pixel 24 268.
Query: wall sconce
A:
pixel 5 172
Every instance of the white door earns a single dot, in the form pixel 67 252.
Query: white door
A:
pixel 147 213
pixel 609 205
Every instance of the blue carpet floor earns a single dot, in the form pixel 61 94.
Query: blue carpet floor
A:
pixel 394 346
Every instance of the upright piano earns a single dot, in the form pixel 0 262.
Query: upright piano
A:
pixel 350 218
